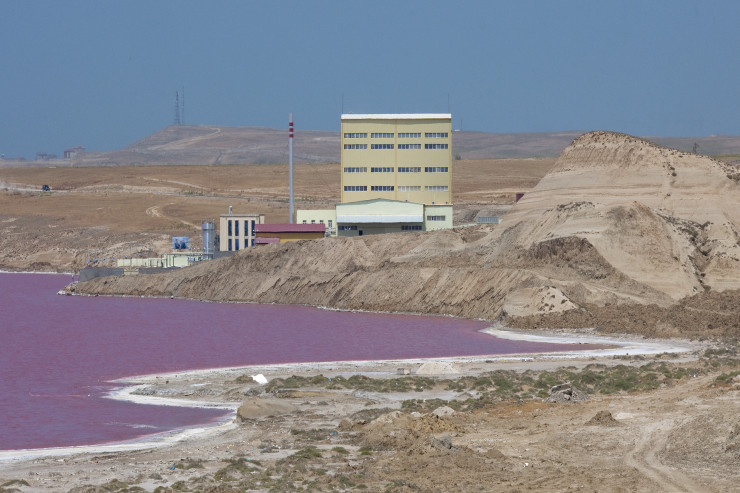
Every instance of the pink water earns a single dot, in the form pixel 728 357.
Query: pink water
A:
pixel 58 354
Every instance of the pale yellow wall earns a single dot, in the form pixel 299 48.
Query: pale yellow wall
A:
pixel 175 260
pixel 139 262
pixel 437 211
pixel 327 217
pixel 397 158
pixel 245 234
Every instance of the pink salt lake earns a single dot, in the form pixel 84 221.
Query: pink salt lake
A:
pixel 60 354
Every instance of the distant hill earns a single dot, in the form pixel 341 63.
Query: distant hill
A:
pixel 207 144
pixel 255 145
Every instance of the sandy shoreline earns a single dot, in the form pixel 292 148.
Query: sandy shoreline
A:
pixel 625 345
pixel 366 433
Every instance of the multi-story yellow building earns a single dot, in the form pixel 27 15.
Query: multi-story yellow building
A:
pixel 396 175
pixel 405 157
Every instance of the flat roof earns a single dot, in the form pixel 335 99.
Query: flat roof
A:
pixel 289 228
pixel 397 116
pixel 266 241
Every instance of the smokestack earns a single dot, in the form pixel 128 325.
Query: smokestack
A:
pixel 290 163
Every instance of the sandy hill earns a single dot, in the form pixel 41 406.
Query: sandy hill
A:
pixel 618 221
pixel 667 220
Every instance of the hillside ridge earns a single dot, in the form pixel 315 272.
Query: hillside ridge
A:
pixel 218 144
pixel 592 233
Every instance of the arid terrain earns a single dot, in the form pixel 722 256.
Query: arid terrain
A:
pixel 215 144
pixel 630 423
pixel 105 212
pixel 615 222
pixel 617 236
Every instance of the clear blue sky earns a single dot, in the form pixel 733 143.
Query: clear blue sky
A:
pixel 104 74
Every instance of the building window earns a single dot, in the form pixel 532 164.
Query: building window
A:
pixel 410 227
pixel 381 170
pixel 409 170
pixel 377 135
pixel 436 218
pixel 236 244
pixel 409 146
pixel 381 146
pixel 236 229
pixel 436 169
pixel 252 242
pixel 409 135
pixel 362 135
pixel 355 146
pixel 356 170
pixel 436 146
pixel 436 135
pixel 251 232
pixel 355 188
pixel 330 223
pixel 409 188
pixel 304 221
pixel 381 188
pixel 230 243
pixel 347 228
pixel 230 229
pixel 436 188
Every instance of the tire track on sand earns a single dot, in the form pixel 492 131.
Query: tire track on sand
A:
pixel 653 438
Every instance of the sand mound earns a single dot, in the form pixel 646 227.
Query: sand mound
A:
pixel 603 418
pixel 401 430
pixel 665 219
pixel 258 408
pixel 437 368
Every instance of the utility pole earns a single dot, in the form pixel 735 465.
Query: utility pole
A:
pixel 290 163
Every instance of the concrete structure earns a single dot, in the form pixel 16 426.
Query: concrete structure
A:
pixel 74 152
pixel 166 261
pixel 437 217
pixel 281 233
pixel 403 157
pixel 327 217
pixel 237 230
pixel 396 176
pixel 378 216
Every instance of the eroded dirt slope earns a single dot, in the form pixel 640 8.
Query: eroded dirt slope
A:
pixel 617 221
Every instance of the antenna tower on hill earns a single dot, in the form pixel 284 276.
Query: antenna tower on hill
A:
pixel 177 109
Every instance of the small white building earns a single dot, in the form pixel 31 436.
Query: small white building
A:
pixel 376 216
